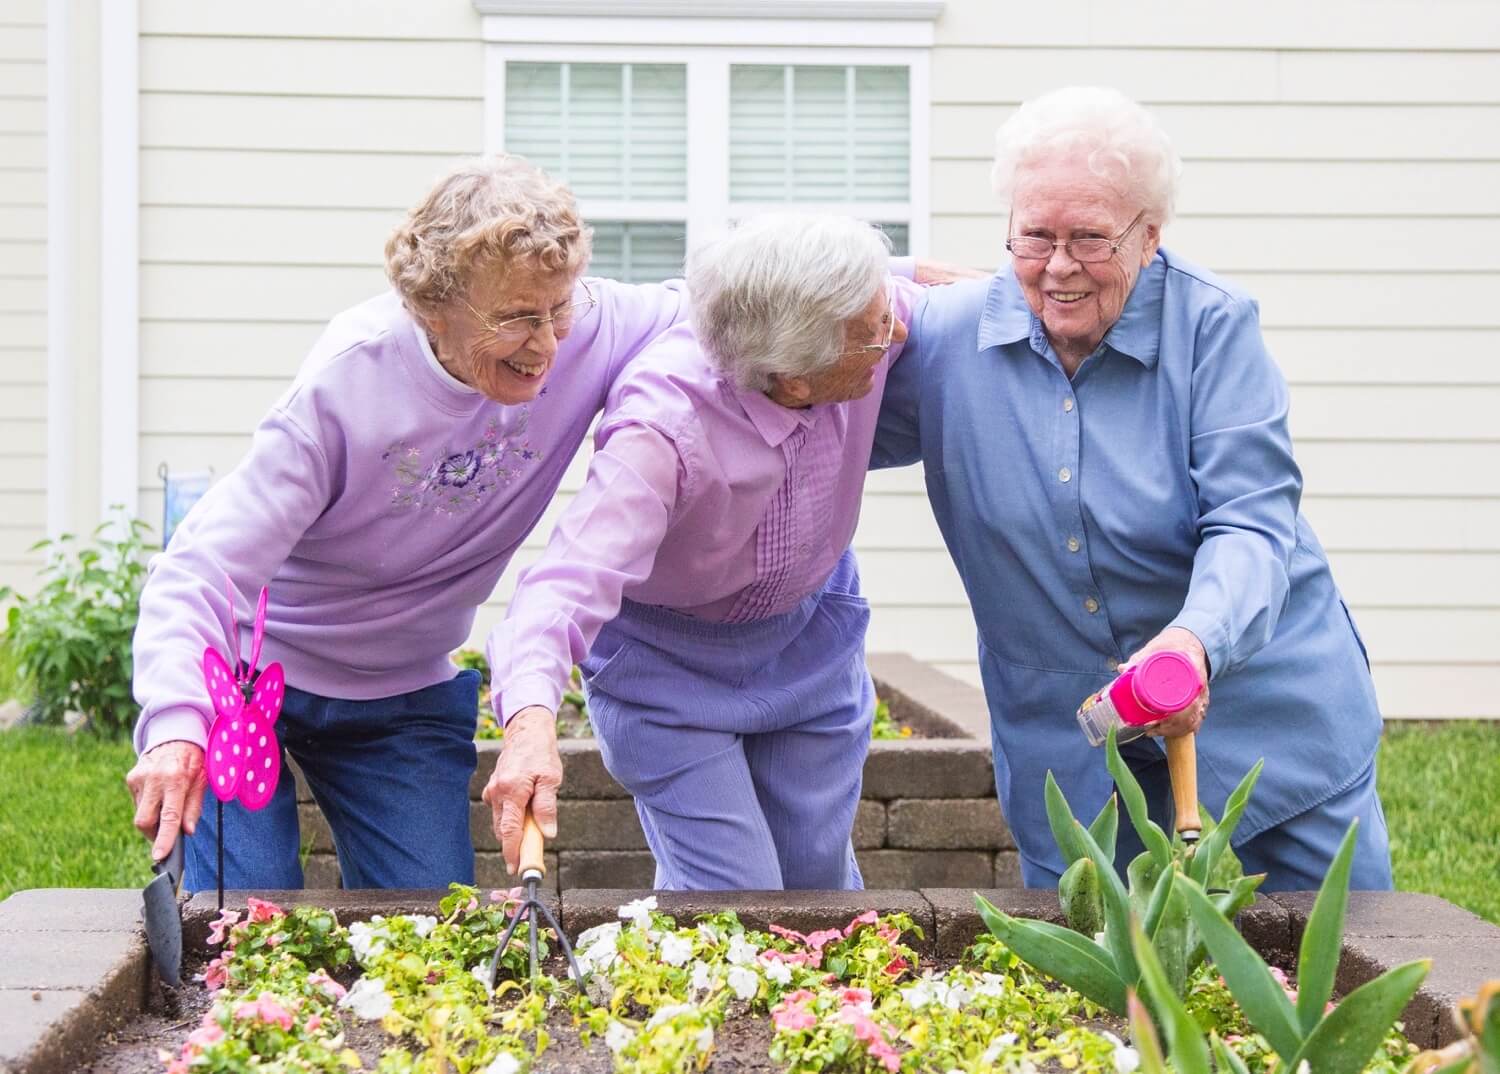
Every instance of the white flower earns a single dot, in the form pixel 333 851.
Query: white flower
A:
pixel 708 932
pixel 675 949
pixel 921 993
pixel 422 924
pixel 481 973
pixel 741 951
pixel 596 946
pixel 367 938
pixel 1303 1068
pixel 670 1011
pixel 778 971
pixel 744 982
pixel 1127 1058
pixel 957 995
pixel 368 999
pixel 1099 938
pixel 706 1038
pixel 703 976
pixel 618 1036
pixel 504 1063
pixel 993 984
pixel 638 911
pixel 998 1045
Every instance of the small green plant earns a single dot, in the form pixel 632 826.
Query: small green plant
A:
pixel 1478 1052
pixel 1096 955
pixel 67 649
pixel 1328 1038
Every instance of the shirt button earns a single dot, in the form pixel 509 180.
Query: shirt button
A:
pixel 1091 605
pixel 1065 475
pixel 1068 404
pixel 1112 664
pixel 804 548
pixel 1073 544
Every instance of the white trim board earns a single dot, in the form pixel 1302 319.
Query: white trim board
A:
pixel 60 425
pixel 119 255
pixel 732 9
pixel 615 29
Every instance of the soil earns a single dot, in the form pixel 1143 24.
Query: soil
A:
pixel 741 1045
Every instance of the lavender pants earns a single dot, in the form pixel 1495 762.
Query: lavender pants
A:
pixel 743 743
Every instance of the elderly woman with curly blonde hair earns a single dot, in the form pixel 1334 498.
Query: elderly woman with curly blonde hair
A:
pixel 381 499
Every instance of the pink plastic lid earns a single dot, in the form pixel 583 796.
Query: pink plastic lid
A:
pixel 1166 682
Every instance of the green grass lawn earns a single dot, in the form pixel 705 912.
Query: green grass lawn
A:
pixel 65 813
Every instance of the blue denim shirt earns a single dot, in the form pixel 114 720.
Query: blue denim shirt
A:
pixel 1155 488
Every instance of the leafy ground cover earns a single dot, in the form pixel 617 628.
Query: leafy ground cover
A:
pixel 65 813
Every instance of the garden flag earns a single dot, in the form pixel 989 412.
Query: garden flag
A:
pixel 243 759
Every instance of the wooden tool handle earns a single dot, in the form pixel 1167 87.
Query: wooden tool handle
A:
pixel 1182 764
pixel 531 846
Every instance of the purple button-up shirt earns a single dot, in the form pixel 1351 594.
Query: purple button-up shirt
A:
pixel 701 497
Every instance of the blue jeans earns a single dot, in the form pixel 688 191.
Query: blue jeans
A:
pixel 392 777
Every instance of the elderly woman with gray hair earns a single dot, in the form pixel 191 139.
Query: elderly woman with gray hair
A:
pixel 1106 446
pixel 702 577
pixel 381 499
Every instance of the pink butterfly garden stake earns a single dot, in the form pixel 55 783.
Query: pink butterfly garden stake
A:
pixel 243 758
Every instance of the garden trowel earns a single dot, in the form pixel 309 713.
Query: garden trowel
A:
pixel 163 918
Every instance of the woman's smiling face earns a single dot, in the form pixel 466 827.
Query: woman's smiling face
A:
pixel 1077 302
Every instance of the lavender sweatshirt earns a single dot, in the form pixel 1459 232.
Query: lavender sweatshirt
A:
pixel 381 500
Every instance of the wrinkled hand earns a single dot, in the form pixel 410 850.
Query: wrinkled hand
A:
pixel 529 771
pixel 929 273
pixel 1181 640
pixel 167 784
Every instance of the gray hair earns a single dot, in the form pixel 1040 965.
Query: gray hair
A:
pixel 487 215
pixel 772 296
pixel 1120 142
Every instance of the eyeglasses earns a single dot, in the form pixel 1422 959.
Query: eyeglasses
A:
pixel 518 329
pixel 1035 248
pixel 890 332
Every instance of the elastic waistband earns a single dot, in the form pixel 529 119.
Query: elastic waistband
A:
pixel 674 622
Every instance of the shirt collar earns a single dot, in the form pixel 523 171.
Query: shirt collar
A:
pixel 448 379
pixel 1137 334
pixel 773 421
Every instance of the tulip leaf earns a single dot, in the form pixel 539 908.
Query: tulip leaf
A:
pixel 1061 820
pixel 1185 1042
pixel 1143 1036
pixel 1248 978
pixel 1159 895
pixel 1106 826
pixel 1212 845
pixel 1152 836
pixel 1116 911
pixel 1061 953
pixel 1343 1041
pixel 1322 938
pixel 1082 901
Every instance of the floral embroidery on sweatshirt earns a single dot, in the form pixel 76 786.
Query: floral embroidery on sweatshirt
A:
pixel 452 481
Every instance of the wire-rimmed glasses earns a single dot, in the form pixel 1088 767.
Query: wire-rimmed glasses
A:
pixel 514 330
pixel 1088 251
pixel 877 349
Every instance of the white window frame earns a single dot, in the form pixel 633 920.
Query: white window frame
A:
pixel 894 33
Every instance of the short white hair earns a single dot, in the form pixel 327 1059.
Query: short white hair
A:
pixel 1118 139
pixel 771 297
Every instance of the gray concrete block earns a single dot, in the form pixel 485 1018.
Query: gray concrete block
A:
pixel 947 824
pixel 489 871
pixel 905 681
pixel 584 774
pixel 919 868
pixel 869 825
pixel 803 911
pixel 600 824
pixel 313 829
pixel 605 868
pixel 321 871
pixel 928 768
pixel 73 909
pixel 1392 913
pixel 1266 926
pixel 64 960
pixel 1007 869
pixel 45 1032
pixel 957 920
pixel 1460 966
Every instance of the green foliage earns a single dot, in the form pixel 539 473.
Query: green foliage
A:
pixel 1336 1040
pixel 1097 956
pixel 67 648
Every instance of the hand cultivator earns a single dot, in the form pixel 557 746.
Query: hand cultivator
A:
pixel 532 909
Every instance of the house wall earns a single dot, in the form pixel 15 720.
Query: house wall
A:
pixel 23 288
pixel 1341 163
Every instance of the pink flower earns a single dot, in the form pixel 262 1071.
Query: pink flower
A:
pixel 869 1034
pixel 315 1023
pixel 897 966
pixel 260 910
pixel 219 930
pixel 793 1018
pixel 869 917
pixel 216 973
pixel 210 1032
pixel 888 933
pixel 822 938
pixel 788 934
pixel 849 996
pixel 327 985
pixel 265 1009
pixel 802 995
pixel 791 958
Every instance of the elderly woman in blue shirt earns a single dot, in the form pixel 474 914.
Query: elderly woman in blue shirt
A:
pixel 1106 450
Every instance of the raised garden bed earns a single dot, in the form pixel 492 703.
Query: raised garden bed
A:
pixel 927 815
pixel 75 983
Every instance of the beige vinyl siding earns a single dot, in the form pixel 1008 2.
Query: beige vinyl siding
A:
pixel 23 287
pixel 280 143
pixel 1341 163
